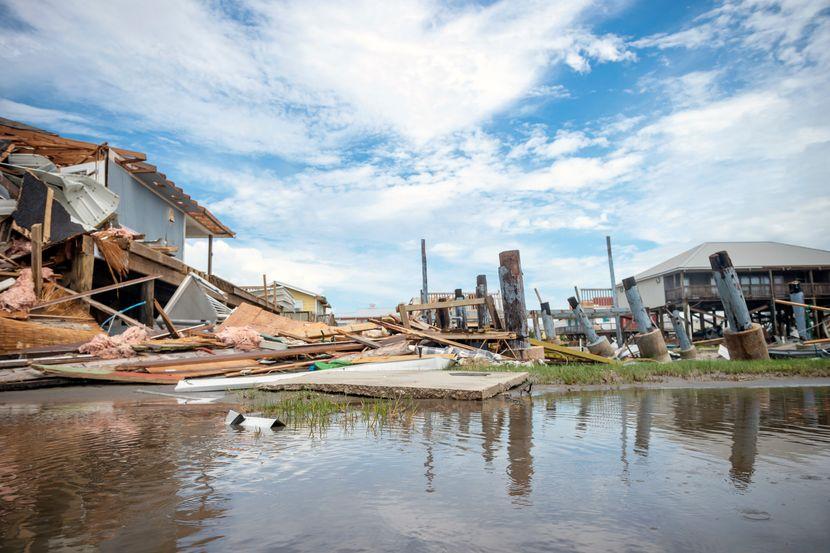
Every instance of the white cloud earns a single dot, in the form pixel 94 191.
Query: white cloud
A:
pixel 297 79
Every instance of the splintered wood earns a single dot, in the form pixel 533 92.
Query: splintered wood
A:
pixel 277 325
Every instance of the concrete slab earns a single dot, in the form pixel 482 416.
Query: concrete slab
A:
pixel 451 384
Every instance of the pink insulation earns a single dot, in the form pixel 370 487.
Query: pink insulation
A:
pixel 240 337
pixel 114 347
pixel 21 295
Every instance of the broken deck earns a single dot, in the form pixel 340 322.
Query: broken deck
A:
pixel 453 384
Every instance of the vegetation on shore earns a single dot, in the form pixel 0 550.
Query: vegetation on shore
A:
pixel 318 410
pixel 584 374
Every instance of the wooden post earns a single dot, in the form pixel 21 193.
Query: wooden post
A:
pixel 460 312
pixel 537 332
pixel 210 255
pixel 444 316
pixel 80 274
pixel 404 314
pixel 424 288
pixel 513 297
pixel 274 292
pixel 148 313
pixel 265 289
pixel 36 233
pixel 481 292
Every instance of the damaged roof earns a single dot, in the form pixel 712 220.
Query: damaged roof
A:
pixel 22 138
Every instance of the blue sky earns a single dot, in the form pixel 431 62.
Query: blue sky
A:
pixel 332 137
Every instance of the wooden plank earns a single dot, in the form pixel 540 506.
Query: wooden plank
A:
pixel 47 214
pixel 404 316
pixel 360 339
pixel 261 354
pixel 444 305
pixel 494 315
pixel 815 307
pixel 420 334
pixel 573 353
pixel 37 258
pixel 171 328
pixel 489 335
pixel 106 309
pixel 81 295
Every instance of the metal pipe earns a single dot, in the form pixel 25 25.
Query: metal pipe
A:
pixel 800 314
pixel 618 322
pixel 587 327
pixel 731 288
pixel 635 303
pixel 679 327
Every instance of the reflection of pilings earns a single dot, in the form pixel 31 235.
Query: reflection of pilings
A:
pixel 429 462
pixel 810 412
pixel 492 425
pixel 797 296
pixel 519 444
pixel 644 415
pixel 624 435
pixel 745 437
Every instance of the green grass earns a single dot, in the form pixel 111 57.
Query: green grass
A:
pixel 584 374
pixel 318 411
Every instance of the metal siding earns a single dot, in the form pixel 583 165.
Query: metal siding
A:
pixel 143 211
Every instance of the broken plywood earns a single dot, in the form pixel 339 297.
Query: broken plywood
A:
pixel 410 384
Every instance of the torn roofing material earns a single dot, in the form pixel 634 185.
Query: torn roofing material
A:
pixel 150 177
pixel 17 138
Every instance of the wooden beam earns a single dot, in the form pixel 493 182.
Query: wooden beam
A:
pixel 262 354
pixel 815 307
pixel 359 339
pixel 80 274
pixel 148 293
pixel 404 315
pixel 171 328
pixel 444 305
pixel 104 308
pixel 47 215
pixel 494 315
pixel 36 233
pixel 81 295
pixel 420 334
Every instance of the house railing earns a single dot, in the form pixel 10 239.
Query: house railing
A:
pixel 751 291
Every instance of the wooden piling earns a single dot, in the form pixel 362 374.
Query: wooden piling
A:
pixel 79 277
pixel 481 292
pixel 513 297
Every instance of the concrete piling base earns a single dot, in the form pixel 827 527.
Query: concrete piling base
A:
pixel 601 347
pixel 690 353
pixel 746 344
pixel 653 346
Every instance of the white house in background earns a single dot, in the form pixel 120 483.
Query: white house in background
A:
pixel 765 269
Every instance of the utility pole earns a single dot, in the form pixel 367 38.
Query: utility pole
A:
pixel 618 321
pixel 424 289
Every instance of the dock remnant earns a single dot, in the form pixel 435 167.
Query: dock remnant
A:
pixel 598 345
pixel 481 309
pixel 799 312
pixel 687 348
pixel 513 298
pixel 547 322
pixel 649 338
pixel 744 339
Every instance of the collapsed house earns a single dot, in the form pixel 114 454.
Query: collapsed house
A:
pixel 96 216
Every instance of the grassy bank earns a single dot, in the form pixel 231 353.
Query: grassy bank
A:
pixel 317 411
pixel 583 374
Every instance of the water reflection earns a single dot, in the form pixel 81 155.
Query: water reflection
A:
pixel 122 474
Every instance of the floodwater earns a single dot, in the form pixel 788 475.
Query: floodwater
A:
pixel 732 469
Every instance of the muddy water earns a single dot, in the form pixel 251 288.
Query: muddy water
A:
pixel 643 470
